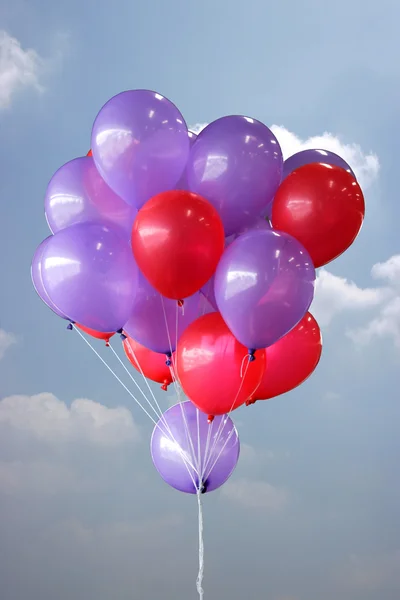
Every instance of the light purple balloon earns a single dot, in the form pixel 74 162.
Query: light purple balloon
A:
pixel 306 157
pixel 37 280
pixel 183 183
pixel 77 194
pixel 140 145
pixel 236 163
pixel 153 318
pixel 183 431
pixel 208 289
pixel 264 285
pixel 89 273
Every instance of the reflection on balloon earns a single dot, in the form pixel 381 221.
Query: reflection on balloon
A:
pixel 182 455
pixel 37 279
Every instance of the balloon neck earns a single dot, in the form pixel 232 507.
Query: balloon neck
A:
pixel 165 385
pixel 210 419
pixel 180 303
pixel 203 487
pixel 252 352
pixel 122 336
pixel 168 362
pixel 107 343
pixel 70 327
pixel 250 401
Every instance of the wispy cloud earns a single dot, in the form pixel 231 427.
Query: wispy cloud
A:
pixel 255 494
pixel 6 341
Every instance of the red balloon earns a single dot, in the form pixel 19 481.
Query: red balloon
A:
pixel 89 153
pixel 177 239
pixel 323 207
pixel 291 360
pixel 214 368
pixel 99 335
pixel 153 364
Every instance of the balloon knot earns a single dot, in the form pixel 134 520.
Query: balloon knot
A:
pixel 250 401
pixel 120 331
pixel 107 343
pixel 203 487
pixel 122 336
pixel 180 303
pixel 210 418
pixel 165 385
pixel 70 327
pixel 252 352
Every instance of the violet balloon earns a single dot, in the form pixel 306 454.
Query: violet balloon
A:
pixel 236 163
pixel 306 157
pixel 37 279
pixel 183 183
pixel 264 285
pixel 140 145
pixel 77 194
pixel 89 273
pixel 153 319
pixel 209 463
pixel 208 289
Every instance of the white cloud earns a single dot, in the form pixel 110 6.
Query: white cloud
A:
pixel 334 295
pixel 255 494
pixel 365 165
pixel 386 324
pixel 6 341
pixel 19 68
pixel 48 419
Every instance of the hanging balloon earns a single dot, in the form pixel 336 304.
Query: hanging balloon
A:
pixel 306 157
pixel 37 280
pixel 157 322
pixel 323 207
pixel 187 451
pixel 77 194
pixel 89 273
pixel 177 241
pixel 236 163
pixel 98 335
pixel 214 368
pixel 151 364
pixel 264 285
pixel 140 145
pixel 291 360
pixel 183 183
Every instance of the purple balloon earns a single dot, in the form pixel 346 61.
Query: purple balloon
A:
pixel 140 145
pixel 208 289
pixel 89 273
pixel 306 157
pixel 77 194
pixel 236 163
pixel 153 318
pixel 37 280
pixel 183 183
pixel 264 285
pixel 183 431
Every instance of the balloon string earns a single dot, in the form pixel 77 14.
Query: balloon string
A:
pixel 199 581
pixel 161 415
pixel 157 424
pixel 223 423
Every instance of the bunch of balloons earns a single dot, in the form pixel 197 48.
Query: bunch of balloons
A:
pixel 201 251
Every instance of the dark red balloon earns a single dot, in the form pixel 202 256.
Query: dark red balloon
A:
pixel 99 335
pixel 291 360
pixel 323 207
pixel 177 240
pixel 152 364
pixel 214 368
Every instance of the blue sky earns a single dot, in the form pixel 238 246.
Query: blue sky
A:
pixel 312 509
